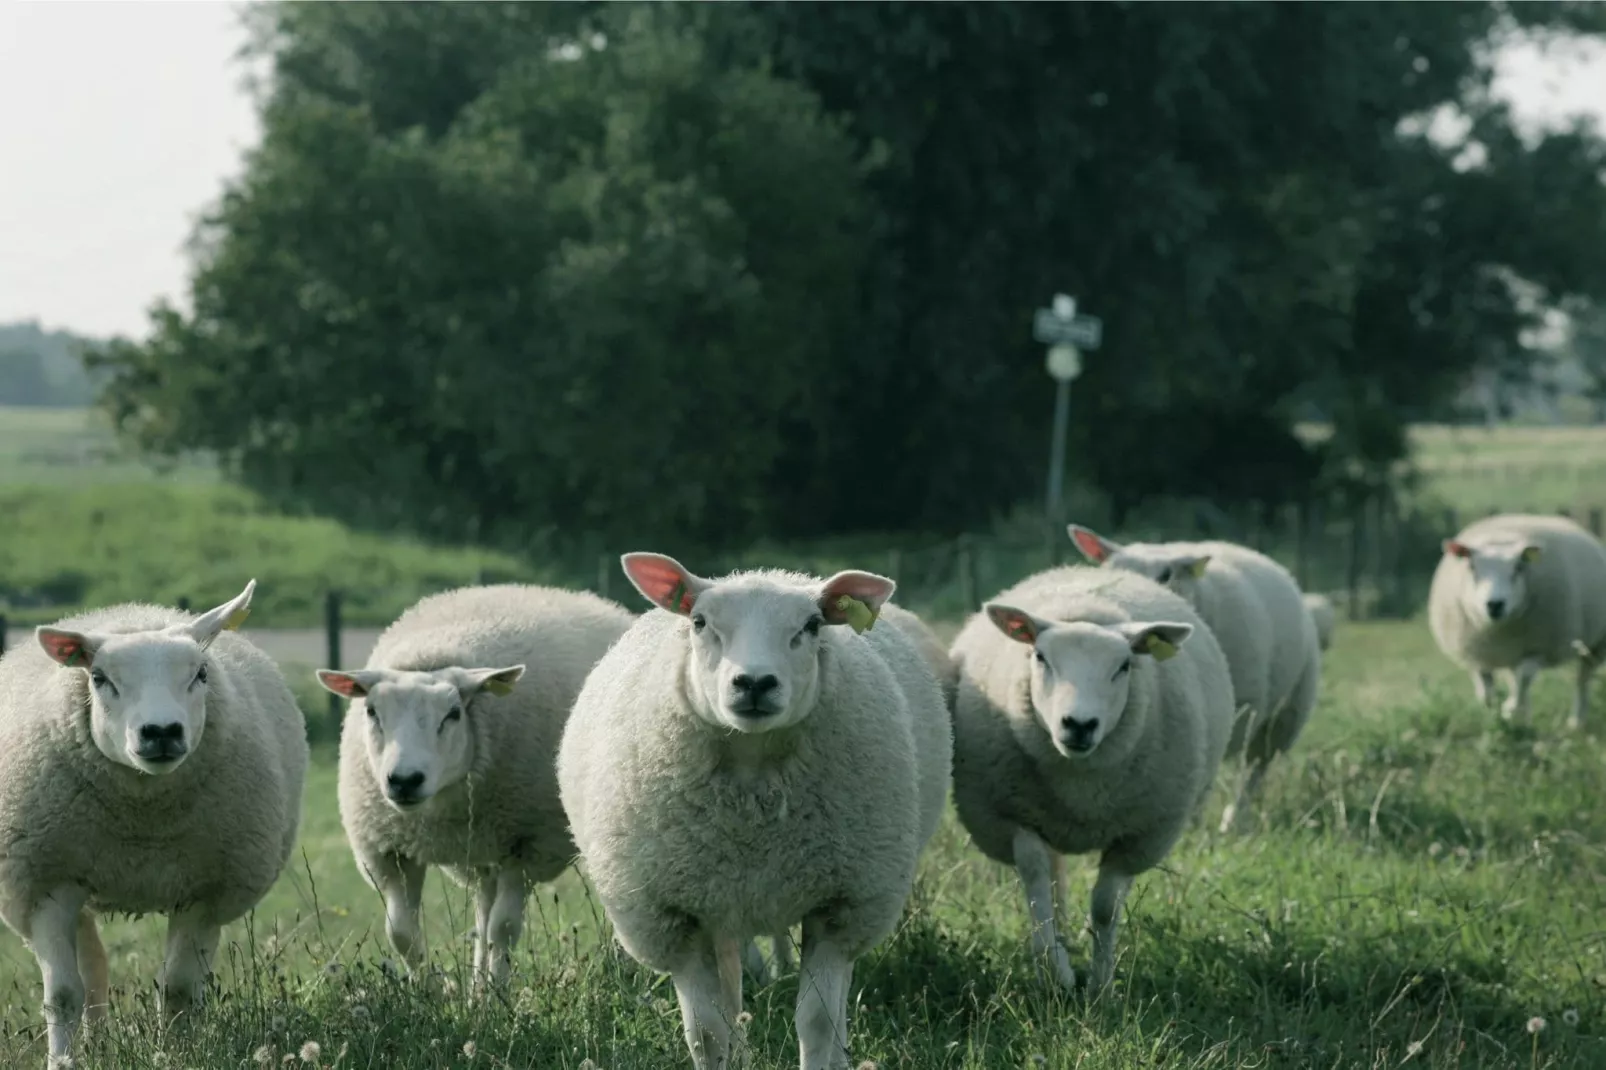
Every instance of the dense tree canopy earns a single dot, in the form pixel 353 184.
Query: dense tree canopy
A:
pixel 734 269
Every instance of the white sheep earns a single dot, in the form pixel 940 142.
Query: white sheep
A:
pixel 739 762
pixel 448 749
pixel 1094 708
pixel 931 648
pixel 151 761
pixel 1255 609
pixel 1321 612
pixel 1521 593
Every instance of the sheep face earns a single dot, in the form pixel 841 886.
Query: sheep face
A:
pixel 1496 585
pixel 1081 673
pixel 755 638
pixel 147 690
pixel 1178 572
pixel 417 733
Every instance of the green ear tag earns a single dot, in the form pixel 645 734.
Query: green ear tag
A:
pixel 1159 649
pixel 237 618
pixel 1198 567
pixel 675 598
pixel 861 618
pixel 75 657
pixel 497 687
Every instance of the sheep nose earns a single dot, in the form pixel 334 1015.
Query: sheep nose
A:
pixel 1079 734
pixel 161 733
pixel 404 785
pixel 1497 608
pixel 755 688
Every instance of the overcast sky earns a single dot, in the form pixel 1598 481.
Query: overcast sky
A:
pixel 121 119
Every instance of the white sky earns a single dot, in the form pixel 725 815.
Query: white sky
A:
pixel 120 120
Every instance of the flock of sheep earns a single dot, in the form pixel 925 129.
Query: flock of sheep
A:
pixel 761 751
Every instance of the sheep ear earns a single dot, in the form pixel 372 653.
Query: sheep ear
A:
pixel 1530 554
pixel 1017 624
pixel 854 598
pixel 230 615
pixel 73 649
pixel 496 681
pixel 1457 549
pixel 353 684
pixel 663 581
pixel 1159 640
pixel 1094 547
pixel 1197 565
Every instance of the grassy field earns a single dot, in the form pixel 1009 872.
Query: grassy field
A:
pixel 1475 469
pixel 1424 884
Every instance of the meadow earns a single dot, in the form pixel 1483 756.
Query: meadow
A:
pixel 1424 884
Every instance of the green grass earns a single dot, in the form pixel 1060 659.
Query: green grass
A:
pixel 72 447
pixel 1423 876
pixel 1476 469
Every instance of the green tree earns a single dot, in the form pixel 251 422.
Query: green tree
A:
pixel 496 270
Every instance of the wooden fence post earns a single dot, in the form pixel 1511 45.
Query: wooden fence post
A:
pixel 2 633
pixel 895 565
pixel 184 603
pixel 1301 526
pixel 605 566
pixel 1564 511
pixel 331 623
pixel 967 575
pixel 1595 520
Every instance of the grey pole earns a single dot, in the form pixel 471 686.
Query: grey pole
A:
pixel 1056 449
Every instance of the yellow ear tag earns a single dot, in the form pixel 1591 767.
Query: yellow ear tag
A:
pixel 1530 554
pixel 1198 567
pixel 497 686
pixel 1159 649
pixel 861 618
pixel 237 618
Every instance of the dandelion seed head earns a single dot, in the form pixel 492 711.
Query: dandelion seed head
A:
pixel 469 1049
pixel 1536 1024
pixel 310 1051
pixel 1570 1015
pixel 263 1055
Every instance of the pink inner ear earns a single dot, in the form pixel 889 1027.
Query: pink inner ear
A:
pixel 342 684
pixel 1015 625
pixel 865 587
pixel 1456 549
pixel 659 579
pixel 1090 544
pixel 65 649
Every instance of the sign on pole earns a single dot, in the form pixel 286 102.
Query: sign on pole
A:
pixel 1066 334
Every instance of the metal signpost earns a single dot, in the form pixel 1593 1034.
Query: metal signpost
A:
pixel 1066 334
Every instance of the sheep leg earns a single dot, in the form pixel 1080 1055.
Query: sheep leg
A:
pixel 1035 864
pixel 1586 668
pixel 92 967
pixel 484 900
pixel 754 963
pixel 401 881
pixel 702 996
pixel 53 935
pixel 1248 791
pixel 1483 687
pixel 1057 887
pixel 191 942
pixel 1109 892
pixel 502 923
pixel 1522 678
pixel 728 957
pixel 785 960
pixel 822 1000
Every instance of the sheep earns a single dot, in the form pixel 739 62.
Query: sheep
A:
pixel 1255 609
pixel 1104 734
pixel 739 762
pixel 444 761
pixel 1320 608
pixel 1521 593
pixel 151 761
pixel 931 648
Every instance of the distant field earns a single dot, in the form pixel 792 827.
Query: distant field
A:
pixel 55 447
pixel 1476 469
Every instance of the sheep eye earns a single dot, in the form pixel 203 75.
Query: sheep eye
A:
pixel 453 714
pixel 1125 665
pixel 200 675
pixel 372 711
pixel 1165 575
pixel 699 622
pixel 813 626
pixel 99 679
pixel 1038 654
